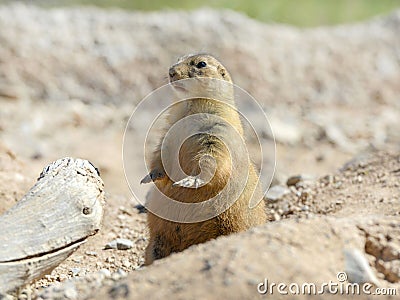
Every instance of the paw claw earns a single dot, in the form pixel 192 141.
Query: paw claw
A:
pixel 152 176
pixel 190 182
pixel 146 179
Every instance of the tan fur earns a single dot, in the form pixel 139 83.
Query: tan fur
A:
pixel 167 236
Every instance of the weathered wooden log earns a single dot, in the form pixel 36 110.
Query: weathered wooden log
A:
pixel 50 222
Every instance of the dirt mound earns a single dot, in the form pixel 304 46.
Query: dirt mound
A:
pixel 366 185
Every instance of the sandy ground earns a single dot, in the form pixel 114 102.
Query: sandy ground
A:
pixel 331 95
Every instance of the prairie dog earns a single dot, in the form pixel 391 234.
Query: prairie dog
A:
pixel 207 162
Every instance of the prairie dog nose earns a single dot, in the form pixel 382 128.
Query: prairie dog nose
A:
pixel 172 72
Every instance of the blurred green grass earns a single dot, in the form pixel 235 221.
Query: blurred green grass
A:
pixel 303 13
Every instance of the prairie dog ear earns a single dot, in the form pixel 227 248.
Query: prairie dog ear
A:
pixel 223 72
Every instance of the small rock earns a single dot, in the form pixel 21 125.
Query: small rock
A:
pixel 122 273
pixel 296 209
pixel 277 217
pixel 118 275
pixel 276 192
pixel 305 208
pixel 304 195
pixel 121 217
pixel 338 185
pixel 75 271
pixel 372 247
pixel 62 277
pixel 105 272
pixel 293 180
pixel 126 263
pixel 357 267
pixel 309 215
pixel 91 253
pixel 125 210
pixel 120 244
pixel 77 259
pixel 285 209
pixel 326 180
pixel 110 259
pixel 48 277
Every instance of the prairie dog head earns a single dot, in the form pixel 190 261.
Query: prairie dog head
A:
pixel 198 65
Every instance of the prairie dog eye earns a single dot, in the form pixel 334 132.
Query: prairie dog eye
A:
pixel 201 64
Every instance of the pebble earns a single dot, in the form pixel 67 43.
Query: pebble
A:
pixel 48 277
pixel 122 273
pixel 304 195
pixel 338 185
pixel 126 263
pixel 276 192
pixel 105 272
pixel 122 217
pixel 328 179
pixel 119 274
pixel 285 209
pixel 77 259
pixel 277 217
pixel 357 267
pixel 75 271
pixel 293 180
pixel 120 244
pixel 62 277
pixel 91 253
pixel 125 210
pixel 110 259
pixel 305 208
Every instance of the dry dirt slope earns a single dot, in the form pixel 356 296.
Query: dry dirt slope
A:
pixel 306 247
